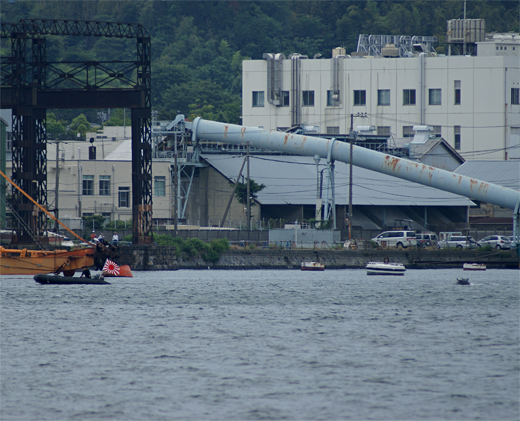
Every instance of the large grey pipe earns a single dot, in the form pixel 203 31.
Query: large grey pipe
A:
pixel 362 157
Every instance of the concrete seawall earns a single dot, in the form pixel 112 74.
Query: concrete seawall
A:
pixel 144 257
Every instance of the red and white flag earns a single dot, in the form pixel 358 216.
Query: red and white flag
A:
pixel 111 268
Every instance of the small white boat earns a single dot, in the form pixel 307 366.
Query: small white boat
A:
pixel 474 266
pixel 312 266
pixel 385 268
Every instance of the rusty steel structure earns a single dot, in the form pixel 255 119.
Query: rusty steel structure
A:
pixel 30 85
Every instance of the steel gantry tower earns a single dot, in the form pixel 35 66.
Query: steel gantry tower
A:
pixel 30 85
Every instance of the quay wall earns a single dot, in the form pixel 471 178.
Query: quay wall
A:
pixel 146 257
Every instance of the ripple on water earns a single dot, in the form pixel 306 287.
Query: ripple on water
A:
pixel 262 345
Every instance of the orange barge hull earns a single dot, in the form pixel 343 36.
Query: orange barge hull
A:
pixel 32 262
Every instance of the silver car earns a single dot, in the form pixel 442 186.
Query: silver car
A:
pixel 459 242
pixel 499 242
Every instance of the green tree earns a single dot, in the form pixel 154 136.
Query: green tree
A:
pixel 241 191
pixel 79 125
pixel 54 128
pixel 93 222
pixel 117 118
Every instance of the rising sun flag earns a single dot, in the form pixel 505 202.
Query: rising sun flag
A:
pixel 111 268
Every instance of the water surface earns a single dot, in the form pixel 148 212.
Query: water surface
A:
pixel 277 344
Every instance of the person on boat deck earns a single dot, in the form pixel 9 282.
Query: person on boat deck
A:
pixel 115 239
pixel 93 235
pixel 85 273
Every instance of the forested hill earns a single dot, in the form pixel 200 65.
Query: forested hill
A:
pixel 198 47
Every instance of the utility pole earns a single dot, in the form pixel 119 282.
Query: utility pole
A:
pixel 175 189
pixel 351 136
pixel 57 188
pixel 223 220
pixel 248 193
pixel 80 182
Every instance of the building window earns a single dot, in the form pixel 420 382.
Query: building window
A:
pixel 124 197
pixel 330 101
pixel 159 184
pixel 88 185
pixel 308 98
pixel 408 96
pixel 383 97
pixel 434 96
pixel 437 131
pixel 107 216
pixel 456 133
pixel 258 98
pixel 360 97
pixel 408 131
pixel 383 131
pixel 457 92
pixel 284 100
pixel 333 130
pixel 104 185
pixel 514 96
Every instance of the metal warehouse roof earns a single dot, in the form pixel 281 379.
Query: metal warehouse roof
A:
pixel 292 180
pixel 503 173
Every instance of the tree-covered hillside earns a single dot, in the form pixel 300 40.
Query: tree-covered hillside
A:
pixel 198 46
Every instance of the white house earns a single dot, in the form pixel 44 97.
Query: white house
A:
pixel 470 101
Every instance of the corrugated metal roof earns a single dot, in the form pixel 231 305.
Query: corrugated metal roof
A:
pixel 503 173
pixel 292 180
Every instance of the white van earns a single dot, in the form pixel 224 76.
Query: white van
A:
pixel 400 239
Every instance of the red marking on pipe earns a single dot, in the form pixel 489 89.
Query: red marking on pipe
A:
pixel 243 131
pixel 285 139
pixel 391 162
pixel 226 130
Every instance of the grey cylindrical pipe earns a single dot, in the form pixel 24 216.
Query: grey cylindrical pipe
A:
pixel 363 157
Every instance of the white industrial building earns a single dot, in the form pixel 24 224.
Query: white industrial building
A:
pixel 470 101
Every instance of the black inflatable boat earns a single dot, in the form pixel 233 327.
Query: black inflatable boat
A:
pixel 68 280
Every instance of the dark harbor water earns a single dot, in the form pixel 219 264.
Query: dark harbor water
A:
pixel 249 345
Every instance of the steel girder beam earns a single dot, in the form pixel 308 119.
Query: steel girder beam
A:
pixel 29 141
pixel 142 193
pixel 75 98
pixel 73 27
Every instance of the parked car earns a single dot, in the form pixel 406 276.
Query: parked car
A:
pixel 498 242
pixel 457 241
pixel 426 239
pixel 398 238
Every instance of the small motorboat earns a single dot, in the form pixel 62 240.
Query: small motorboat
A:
pixel 385 268
pixel 69 280
pixel 315 266
pixel 474 266
pixel 463 281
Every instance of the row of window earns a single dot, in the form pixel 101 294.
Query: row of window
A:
pixel 383 97
pixel 159 188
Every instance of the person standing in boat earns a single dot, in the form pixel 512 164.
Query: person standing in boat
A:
pixel 85 273
pixel 115 239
